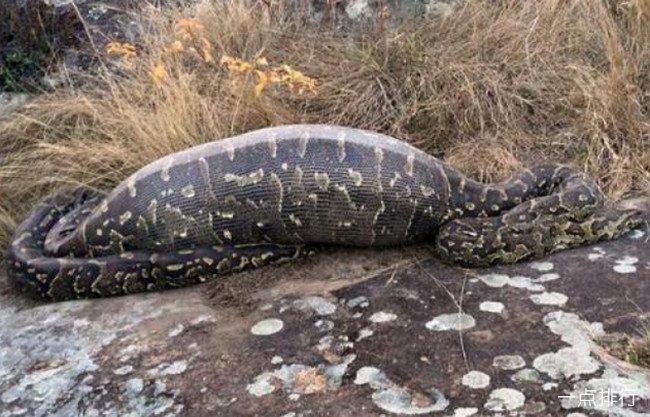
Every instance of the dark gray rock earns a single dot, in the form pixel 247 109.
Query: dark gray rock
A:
pixel 10 102
pixel 358 14
pixel 335 336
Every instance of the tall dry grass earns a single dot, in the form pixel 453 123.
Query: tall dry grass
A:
pixel 494 86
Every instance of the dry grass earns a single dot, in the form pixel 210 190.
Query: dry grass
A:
pixel 497 85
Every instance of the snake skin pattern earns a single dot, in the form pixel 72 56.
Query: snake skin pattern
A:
pixel 269 195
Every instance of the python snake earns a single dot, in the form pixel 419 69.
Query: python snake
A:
pixel 267 195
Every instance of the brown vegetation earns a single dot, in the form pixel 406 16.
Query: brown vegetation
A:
pixel 494 86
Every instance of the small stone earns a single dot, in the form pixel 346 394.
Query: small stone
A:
pixel 267 327
pixel 476 380
pixel 276 360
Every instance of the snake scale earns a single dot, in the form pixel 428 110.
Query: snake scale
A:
pixel 266 196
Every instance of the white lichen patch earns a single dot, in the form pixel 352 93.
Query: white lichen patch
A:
pixel 359 301
pixel 550 386
pixel 267 327
pixel 454 321
pixel 298 379
pixel 48 365
pixel 175 368
pixel 494 280
pixel 382 317
pixel 625 269
pixel 502 280
pixel 575 360
pixel 178 329
pixel 319 305
pixel 492 307
pixel 396 399
pixel 551 276
pixel 636 234
pixel 364 333
pixel 261 386
pixel 549 298
pixel 626 265
pixel 597 253
pixel 324 325
pixel 508 362
pixel 525 283
pixel 527 375
pixel 133 387
pixel 565 363
pixel 165 369
pixel 542 266
pixel 505 399
pixel 371 376
pixel 476 380
pixel 465 412
pixel 123 370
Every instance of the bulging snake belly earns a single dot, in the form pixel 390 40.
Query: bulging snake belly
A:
pixel 265 196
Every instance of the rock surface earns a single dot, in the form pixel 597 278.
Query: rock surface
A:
pixel 66 38
pixel 415 338
pixel 353 14
pixel 10 102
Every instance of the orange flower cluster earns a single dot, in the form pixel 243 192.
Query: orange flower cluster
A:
pixel 192 32
pixel 190 38
pixel 283 75
pixel 125 50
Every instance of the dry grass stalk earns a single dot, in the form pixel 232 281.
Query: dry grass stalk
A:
pixel 494 86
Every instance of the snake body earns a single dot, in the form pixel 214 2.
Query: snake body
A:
pixel 265 196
